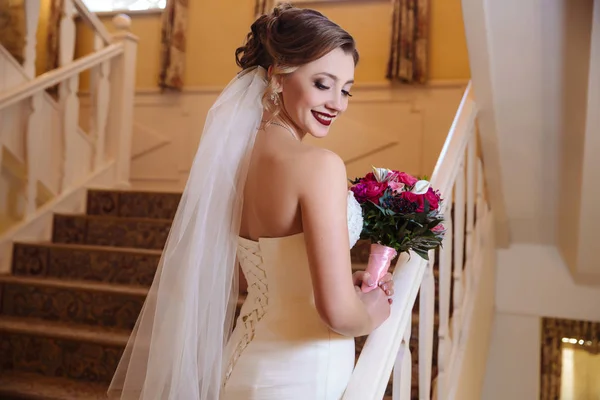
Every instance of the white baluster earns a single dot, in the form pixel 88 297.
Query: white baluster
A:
pixel 67 34
pixel 122 90
pixel 70 107
pixel 32 17
pixel 444 339
pixel 471 167
pixel 98 42
pixel 426 327
pixel 99 115
pixel 403 368
pixel 459 236
pixel 34 128
pixel 480 198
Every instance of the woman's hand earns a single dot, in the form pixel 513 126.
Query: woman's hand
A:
pixel 386 283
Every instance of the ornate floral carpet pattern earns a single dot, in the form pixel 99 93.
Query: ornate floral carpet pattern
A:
pixel 68 307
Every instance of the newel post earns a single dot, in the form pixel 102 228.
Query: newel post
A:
pixel 122 92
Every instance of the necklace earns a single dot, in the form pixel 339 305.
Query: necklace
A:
pixel 287 128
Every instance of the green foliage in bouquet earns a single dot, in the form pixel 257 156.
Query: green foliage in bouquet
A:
pixel 400 211
pixel 402 231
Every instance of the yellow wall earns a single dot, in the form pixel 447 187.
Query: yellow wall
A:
pixel 216 28
pixel 448 58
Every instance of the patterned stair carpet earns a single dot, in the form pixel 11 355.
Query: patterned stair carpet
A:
pixel 68 307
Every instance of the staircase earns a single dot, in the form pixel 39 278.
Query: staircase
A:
pixel 68 307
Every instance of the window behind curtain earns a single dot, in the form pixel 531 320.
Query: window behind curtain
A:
pixel 124 5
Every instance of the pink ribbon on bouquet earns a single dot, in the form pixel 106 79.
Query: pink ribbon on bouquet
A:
pixel 380 259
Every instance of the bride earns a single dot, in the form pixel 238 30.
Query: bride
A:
pixel 259 198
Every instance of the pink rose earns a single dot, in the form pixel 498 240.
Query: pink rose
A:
pixel 406 178
pixel 438 229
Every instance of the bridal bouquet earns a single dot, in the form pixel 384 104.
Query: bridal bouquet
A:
pixel 400 213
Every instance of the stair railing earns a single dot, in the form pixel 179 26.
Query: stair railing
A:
pixel 458 176
pixel 46 134
pixel 112 69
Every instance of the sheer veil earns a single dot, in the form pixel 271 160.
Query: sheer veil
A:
pixel 175 351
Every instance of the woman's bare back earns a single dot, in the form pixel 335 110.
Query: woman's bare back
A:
pixel 271 207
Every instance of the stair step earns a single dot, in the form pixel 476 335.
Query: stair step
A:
pixel 55 349
pixel 59 330
pixel 131 204
pixel 71 301
pixel 125 266
pixel 146 233
pixel 29 386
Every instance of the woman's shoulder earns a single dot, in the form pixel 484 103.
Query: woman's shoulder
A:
pixel 316 159
pixel 316 167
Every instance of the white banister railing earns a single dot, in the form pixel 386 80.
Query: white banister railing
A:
pixel 71 8
pixel 32 16
pixel 49 79
pixel 56 151
pixel 458 175
pixel 93 22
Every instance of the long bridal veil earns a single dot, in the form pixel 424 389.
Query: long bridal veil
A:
pixel 176 348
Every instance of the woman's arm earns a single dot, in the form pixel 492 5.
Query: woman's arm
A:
pixel 323 203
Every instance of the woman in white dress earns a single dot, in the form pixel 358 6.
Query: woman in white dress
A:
pixel 259 198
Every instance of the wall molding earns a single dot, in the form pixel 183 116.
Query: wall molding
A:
pixel 359 86
pixel 388 123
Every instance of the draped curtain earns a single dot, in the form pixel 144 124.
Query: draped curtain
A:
pixel 53 41
pixel 12 28
pixel 553 331
pixel 408 52
pixel 173 40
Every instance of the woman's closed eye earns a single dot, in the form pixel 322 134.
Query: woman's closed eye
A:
pixel 321 86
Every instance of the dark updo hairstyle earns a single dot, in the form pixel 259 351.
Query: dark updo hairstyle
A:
pixel 288 38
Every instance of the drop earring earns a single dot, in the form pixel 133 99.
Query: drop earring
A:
pixel 275 98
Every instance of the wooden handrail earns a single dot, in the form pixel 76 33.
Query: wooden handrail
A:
pixel 381 350
pixel 93 21
pixel 372 371
pixel 448 162
pixel 51 78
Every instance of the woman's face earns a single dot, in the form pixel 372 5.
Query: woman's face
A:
pixel 317 93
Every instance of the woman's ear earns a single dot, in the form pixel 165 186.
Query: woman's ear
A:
pixel 277 83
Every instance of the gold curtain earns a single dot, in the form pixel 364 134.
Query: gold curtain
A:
pixel 173 41
pixel 12 27
pixel 53 41
pixel 553 331
pixel 408 53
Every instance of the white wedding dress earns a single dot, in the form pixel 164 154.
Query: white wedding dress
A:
pixel 280 348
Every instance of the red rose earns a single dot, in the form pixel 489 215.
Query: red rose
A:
pixel 413 198
pixel 369 191
pixel 374 190
pixel 433 199
pixel 370 177
pixel 419 199
pixel 406 178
